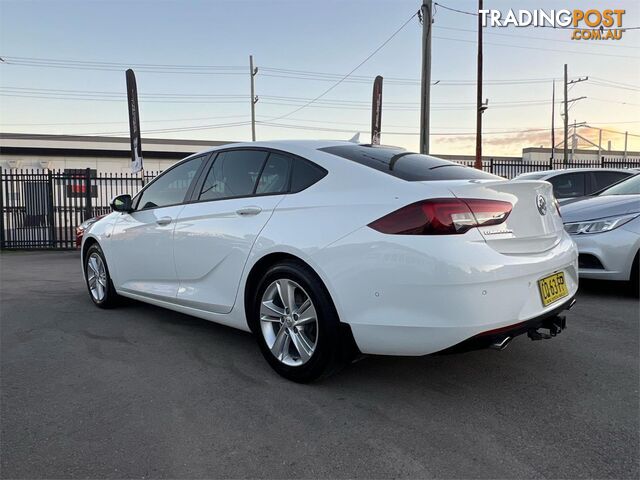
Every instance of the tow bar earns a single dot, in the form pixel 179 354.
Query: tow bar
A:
pixel 554 325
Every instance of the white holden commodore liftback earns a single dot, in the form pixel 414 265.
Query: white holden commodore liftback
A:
pixel 327 250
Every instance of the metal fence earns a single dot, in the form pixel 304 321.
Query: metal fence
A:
pixel 513 168
pixel 41 208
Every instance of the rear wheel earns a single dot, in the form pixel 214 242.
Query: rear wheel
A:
pixel 296 324
pixel 98 280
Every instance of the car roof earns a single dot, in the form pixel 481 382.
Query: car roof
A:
pixel 556 171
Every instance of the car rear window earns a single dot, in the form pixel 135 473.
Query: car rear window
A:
pixel 409 166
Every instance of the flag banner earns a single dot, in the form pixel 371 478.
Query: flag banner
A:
pixel 376 111
pixel 134 122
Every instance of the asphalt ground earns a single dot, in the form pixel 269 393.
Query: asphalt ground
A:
pixel 142 392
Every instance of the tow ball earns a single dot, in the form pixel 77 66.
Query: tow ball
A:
pixel 554 325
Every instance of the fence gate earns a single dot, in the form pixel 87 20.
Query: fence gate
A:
pixel 42 208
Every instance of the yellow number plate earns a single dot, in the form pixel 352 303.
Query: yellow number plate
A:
pixel 552 288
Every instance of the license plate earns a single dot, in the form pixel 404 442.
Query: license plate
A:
pixel 552 288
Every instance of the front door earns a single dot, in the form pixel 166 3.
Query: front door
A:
pixel 142 241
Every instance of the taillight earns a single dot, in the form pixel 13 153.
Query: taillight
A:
pixel 443 216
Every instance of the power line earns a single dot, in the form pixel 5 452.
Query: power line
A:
pixel 465 12
pixel 576 52
pixel 615 82
pixel 619 87
pixel 352 71
pixel 614 131
pixel 118 122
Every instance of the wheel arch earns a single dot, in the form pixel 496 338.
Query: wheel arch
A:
pixel 86 245
pixel 259 268
pixel 263 264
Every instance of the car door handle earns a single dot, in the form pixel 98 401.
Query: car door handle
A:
pixel 164 221
pixel 247 211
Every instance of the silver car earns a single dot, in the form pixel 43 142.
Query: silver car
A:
pixel 571 184
pixel 606 228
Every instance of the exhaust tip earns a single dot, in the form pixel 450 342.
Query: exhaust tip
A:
pixel 501 344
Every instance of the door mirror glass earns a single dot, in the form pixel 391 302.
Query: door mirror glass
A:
pixel 121 203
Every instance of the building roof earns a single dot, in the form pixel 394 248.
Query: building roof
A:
pixel 84 145
pixel 581 151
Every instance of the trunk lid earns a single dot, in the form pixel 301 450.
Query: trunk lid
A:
pixel 533 226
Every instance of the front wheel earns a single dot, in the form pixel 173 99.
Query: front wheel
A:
pixel 296 324
pixel 98 279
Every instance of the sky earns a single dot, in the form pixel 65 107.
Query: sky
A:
pixel 65 60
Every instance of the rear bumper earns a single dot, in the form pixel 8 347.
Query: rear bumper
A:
pixel 410 295
pixel 499 338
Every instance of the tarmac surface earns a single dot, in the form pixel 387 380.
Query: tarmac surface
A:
pixel 141 392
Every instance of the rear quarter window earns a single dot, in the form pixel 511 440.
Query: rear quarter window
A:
pixel 304 174
pixel 409 166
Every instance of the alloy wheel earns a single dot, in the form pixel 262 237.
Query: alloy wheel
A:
pixel 289 322
pixel 97 277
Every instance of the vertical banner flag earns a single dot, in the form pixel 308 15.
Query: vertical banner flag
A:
pixel 376 111
pixel 134 122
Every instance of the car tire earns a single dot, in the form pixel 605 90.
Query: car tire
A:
pixel 301 337
pixel 634 279
pixel 98 279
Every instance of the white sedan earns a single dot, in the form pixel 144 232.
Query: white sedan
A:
pixel 329 249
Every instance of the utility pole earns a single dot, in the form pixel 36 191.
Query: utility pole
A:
pixel 566 109
pixel 425 94
pixel 575 137
pixel 599 144
pixel 566 117
pixel 480 106
pixel 254 98
pixel 553 116
pixel 574 141
pixel 626 134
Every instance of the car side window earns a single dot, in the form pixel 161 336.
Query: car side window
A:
pixel 275 175
pixel 171 187
pixel 234 173
pixel 601 180
pixel 568 185
pixel 304 174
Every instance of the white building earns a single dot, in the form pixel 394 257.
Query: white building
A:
pixel 543 154
pixel 104 154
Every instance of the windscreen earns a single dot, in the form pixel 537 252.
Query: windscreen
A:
pixel 630 186
pixel 409 166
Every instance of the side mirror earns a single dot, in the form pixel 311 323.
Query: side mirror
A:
pixel 122 203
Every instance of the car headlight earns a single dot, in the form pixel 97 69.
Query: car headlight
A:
pixel 600 225
pixel 86 224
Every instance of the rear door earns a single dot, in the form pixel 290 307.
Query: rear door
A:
pixel 143 239
pixel 216 231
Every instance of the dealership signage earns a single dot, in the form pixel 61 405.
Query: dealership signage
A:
pixel 134 122
pixel 590 24
pixel 376 111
